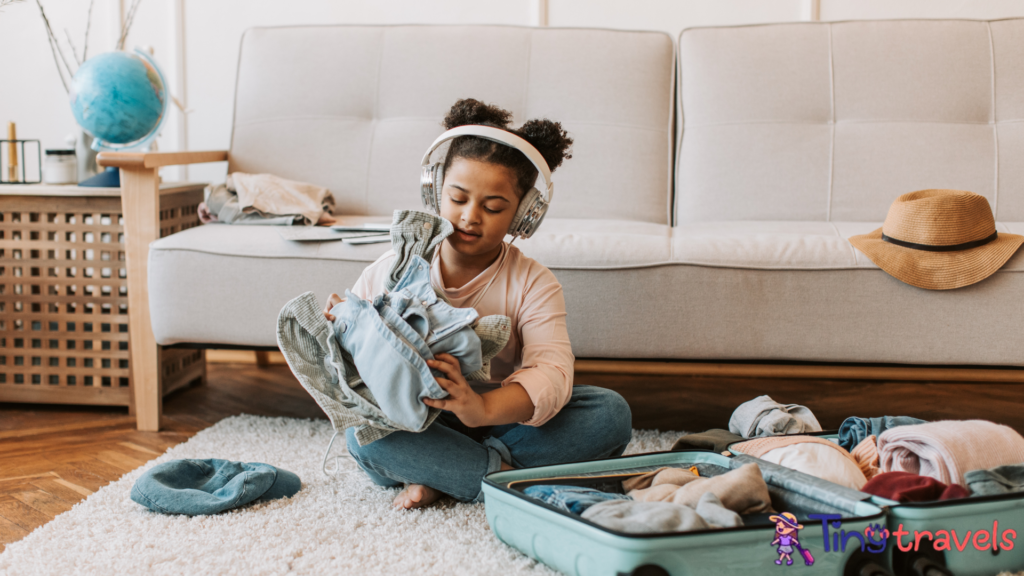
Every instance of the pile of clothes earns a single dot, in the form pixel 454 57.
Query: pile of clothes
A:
pixel 665 500
pixel 267 200
pixel 367 368
pixel 896 457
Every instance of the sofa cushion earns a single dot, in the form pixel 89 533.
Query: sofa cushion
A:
pixel 353 108
pixel 678 292
pixel 833 121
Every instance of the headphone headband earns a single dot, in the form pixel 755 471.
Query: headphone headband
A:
pixel 501 137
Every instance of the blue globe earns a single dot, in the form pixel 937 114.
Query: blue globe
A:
pixel 119 98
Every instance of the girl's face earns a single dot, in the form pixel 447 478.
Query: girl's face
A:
pixel 480 200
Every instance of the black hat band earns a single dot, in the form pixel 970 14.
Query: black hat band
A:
pixel 931 248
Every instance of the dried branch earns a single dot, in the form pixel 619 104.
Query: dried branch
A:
pixel 72 44
pixel 129 19
pixel 55 48
pixel 88 25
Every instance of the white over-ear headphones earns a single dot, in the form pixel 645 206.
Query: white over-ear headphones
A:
pixel 532 207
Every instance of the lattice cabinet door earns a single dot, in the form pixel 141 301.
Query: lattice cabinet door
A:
pixel 64 299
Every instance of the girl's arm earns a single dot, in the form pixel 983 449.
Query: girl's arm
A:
pixel 547 360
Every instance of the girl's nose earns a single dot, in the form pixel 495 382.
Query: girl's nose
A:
pixel 471 214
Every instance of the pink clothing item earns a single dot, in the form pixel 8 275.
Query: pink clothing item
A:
pixel 866 455
pixel 538 355
pixel 760 446
pixel 948 449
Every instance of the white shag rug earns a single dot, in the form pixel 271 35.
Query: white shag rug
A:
pixel 334 525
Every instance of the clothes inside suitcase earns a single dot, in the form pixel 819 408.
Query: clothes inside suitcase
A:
pixel 1001 514
pixel 573 545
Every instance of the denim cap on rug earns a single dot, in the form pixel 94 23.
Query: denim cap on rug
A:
pixel 195 487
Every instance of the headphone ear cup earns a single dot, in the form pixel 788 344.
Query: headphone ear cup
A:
pixel 427 186
pixel 438 184
pixel 529 215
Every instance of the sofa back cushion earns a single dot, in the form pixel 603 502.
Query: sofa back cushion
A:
pixel 833 121
pixel 353 108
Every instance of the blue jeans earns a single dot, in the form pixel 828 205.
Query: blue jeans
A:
pixel 451 458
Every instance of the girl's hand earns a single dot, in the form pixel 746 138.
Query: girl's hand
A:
pixel 332 301
pixel 205 216
pixel 462 400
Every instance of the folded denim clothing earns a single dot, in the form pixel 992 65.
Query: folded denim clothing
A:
pixel 741 490
pixel 327 371
pixel 998 480
pixel 907 487
pixel 195 487
pixel 391 339
pixel 866 455
pixel 763 416
pixel 574 499
pixel 948 449
pixel 854 429
pixel 821 461
pixel 716 440
pixel 658 517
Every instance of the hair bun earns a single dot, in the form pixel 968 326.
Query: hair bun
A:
pixel 549 138
pixel 471 111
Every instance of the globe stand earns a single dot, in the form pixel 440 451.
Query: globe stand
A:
pixel 109 178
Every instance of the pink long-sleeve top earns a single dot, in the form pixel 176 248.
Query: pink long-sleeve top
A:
pixel 538 355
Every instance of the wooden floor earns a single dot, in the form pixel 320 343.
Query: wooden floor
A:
pixel 54 456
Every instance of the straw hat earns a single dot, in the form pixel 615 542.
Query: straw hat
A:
pixel 787 519
pixel 939 240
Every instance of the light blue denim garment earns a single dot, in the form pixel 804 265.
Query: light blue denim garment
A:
pixel 855 429
pixel 445 329
pixel 391 339
pixel 327 372
pixel 195 487
pixel 452 458
pixel 573 499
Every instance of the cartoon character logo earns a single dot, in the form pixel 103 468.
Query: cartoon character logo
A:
pixel 787 530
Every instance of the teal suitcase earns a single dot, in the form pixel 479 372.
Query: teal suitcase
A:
pixel 962 520
pixel 575 546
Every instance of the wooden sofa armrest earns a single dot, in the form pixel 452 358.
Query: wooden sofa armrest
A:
pixel 136 160
pixel 140 204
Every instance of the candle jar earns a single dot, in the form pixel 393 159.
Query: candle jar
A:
pixel 60 167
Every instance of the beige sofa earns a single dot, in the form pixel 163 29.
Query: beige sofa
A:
pixel 705 212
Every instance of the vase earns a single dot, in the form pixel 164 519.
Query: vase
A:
pixel 86 156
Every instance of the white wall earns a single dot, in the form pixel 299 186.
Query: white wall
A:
pixel 196 43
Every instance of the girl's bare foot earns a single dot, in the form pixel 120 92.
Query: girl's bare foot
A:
pixel 416 496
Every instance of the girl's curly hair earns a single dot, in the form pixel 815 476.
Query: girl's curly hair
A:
pixel 547 136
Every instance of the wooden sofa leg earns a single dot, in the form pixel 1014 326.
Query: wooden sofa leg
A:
pixel 140 204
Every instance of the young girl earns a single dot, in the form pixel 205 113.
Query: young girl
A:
pixel 531 415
